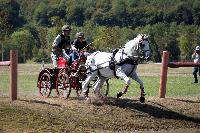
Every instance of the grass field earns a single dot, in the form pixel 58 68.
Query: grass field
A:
pixel 177 113
pixel 179 81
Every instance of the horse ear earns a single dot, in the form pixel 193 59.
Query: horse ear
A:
pixel 143 37
pixel 146 36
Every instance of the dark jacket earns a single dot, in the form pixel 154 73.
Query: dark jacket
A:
pixel 61 42
pixel 81 45
pixel 65 42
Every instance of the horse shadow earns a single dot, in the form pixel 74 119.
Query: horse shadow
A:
pixel 156 110
pixel 40 102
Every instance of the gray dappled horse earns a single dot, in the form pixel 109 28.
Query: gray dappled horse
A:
pixel 123 64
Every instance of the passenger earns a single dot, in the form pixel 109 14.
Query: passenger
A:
pixel 61 45
pixel 78 45
pixel 196 57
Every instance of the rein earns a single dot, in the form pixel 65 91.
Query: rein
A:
pixel 129 60
pixel 141 52
pixel 98 68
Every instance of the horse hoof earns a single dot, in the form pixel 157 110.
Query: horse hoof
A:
pixel 119 94
pixel 142 99
pixel 88 100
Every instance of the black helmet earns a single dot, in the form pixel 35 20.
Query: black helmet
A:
pixel 66 27
pixel 79 35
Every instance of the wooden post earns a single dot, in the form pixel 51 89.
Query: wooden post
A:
pixel 163 78
pixel 13 74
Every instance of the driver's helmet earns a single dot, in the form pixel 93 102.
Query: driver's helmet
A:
pixel 79 35
pixel 66 28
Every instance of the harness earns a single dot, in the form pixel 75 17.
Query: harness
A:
pixel 143 51
pixel 122 61
pixel 113 63
pixel 128 60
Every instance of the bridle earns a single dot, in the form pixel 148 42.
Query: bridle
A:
pixel 141 45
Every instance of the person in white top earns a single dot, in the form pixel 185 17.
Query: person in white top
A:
pixel 196 57
pixel 61 45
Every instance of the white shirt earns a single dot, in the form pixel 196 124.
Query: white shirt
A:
pixel 196 58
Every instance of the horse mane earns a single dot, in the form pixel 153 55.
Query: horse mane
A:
pixel 132 45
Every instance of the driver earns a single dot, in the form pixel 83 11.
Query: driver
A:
pixel 61 45
pixel 79 44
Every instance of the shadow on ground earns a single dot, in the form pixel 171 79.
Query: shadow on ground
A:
pixel 157 111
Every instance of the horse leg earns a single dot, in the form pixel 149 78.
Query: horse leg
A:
pixel 85 83
pixel 135 77
pixel 120 73
pixel 98 86
pixel 119 94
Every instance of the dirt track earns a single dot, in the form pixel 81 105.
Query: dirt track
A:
pixel 114 115
pixel 169 115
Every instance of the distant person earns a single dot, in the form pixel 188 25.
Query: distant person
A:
pixel 196 57
pixel 78 45
pixel 61 45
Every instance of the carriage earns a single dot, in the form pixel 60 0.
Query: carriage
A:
pixel 64 78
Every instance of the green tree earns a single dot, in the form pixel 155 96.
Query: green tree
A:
pixel 119 12
pixel 196 12
pixel 40 14
pixel 23 40
pixel 185 45
pixel 41 55
pixel 188 38
pixel 75 13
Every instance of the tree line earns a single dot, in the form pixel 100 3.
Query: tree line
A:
pixel 30 26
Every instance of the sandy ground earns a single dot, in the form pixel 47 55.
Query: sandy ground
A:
pixel 169 115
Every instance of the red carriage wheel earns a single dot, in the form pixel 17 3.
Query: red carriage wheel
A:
pixel 63 87
pixel 45 85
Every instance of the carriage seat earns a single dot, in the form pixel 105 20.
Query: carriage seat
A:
pixel 62 62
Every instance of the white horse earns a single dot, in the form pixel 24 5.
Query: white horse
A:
pixel 122 64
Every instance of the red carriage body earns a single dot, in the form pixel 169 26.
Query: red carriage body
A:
pixel 62 62
pixel 63 78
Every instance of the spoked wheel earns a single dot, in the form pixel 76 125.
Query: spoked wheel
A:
pixel 63 87
pixel 45 85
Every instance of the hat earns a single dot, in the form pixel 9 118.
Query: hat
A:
pixel 197 48
pixel 66 27
pixel 80 35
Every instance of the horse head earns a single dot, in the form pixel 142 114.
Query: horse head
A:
pixel 139 47
pixel 144 46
